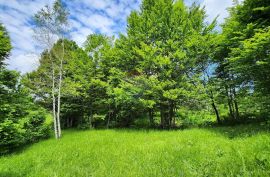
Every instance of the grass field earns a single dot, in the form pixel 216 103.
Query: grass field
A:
pixel 225 151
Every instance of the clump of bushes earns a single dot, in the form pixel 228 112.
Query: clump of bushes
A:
pixel 25 130
pixel 21 120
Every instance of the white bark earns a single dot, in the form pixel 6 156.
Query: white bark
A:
pixel 59 105
pixel 53 100
pixel 48 33
pixel 59 90
pixel 59 101
pixel 54 111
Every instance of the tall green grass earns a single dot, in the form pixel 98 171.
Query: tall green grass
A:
pixel 234 151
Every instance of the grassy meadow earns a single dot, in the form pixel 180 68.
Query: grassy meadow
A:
pixel 221 151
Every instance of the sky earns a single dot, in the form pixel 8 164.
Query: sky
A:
pixel 86 17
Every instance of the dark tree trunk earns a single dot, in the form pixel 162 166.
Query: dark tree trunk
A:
pixel 67 123
pixel 109 119
pixel 236 104
pixel 173 121
pixel 232 101
pixel 151 117
pixel 162 116
pixel 165 115
pixel 229 102
pixel 71 122
pixel 215 107
pixel 231 108
pixel 236 109
pixel 216 112
pixel 90 118
pixel 171 113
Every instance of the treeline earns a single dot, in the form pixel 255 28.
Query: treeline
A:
pixel 170 66
pixel 170 69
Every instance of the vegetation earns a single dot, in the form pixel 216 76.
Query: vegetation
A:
pixel 171 70
pixel 50 24
pixel 224 151
pixel 21 121
pixel 5 45
pixel 170 64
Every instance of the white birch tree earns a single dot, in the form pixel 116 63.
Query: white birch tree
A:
pixel 50 25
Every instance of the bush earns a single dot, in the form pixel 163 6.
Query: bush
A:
pixel 29 129
pixel 21 120
pixel 35 127
pixel 11 136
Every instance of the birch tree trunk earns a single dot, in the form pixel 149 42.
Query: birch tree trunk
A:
pixel 59 91
pixel 54 111
pixel 59 101
pixel 53 99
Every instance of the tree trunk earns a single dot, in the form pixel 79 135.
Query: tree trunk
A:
pixel 171 113
pixel 236 109
pixel 174 119
pixel 230 108
pixel 54 100
pixel 212 98
pixel 165 115
pixel 108 121
pixel 90 121
pixel 216 112
pixel 215 107
pixel 151 117
pixel 59 90
pixel 90 118
pixel 71 122
pixel 67 123
pixel 59 101
pixel 162 116
pixel 109 117
pixel 54 111
pixel 236 104
pixel 229 102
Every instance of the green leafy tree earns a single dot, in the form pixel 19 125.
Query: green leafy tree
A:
pixel 21 121
pixel 242 54
pixel 5 45
pixel 76 75
pixel 162 44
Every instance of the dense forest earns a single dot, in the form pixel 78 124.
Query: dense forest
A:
pixel 171 69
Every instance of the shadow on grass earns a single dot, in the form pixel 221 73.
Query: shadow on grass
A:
pixel 8 174
pixel 22 148
pixel 228 131
pixel 241 131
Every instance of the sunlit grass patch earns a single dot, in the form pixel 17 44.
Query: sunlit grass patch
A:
pixel 194 152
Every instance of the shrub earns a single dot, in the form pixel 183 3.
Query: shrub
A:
pixel 11 136
pixel 21 120
pixel 35 127
pixel 29 129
